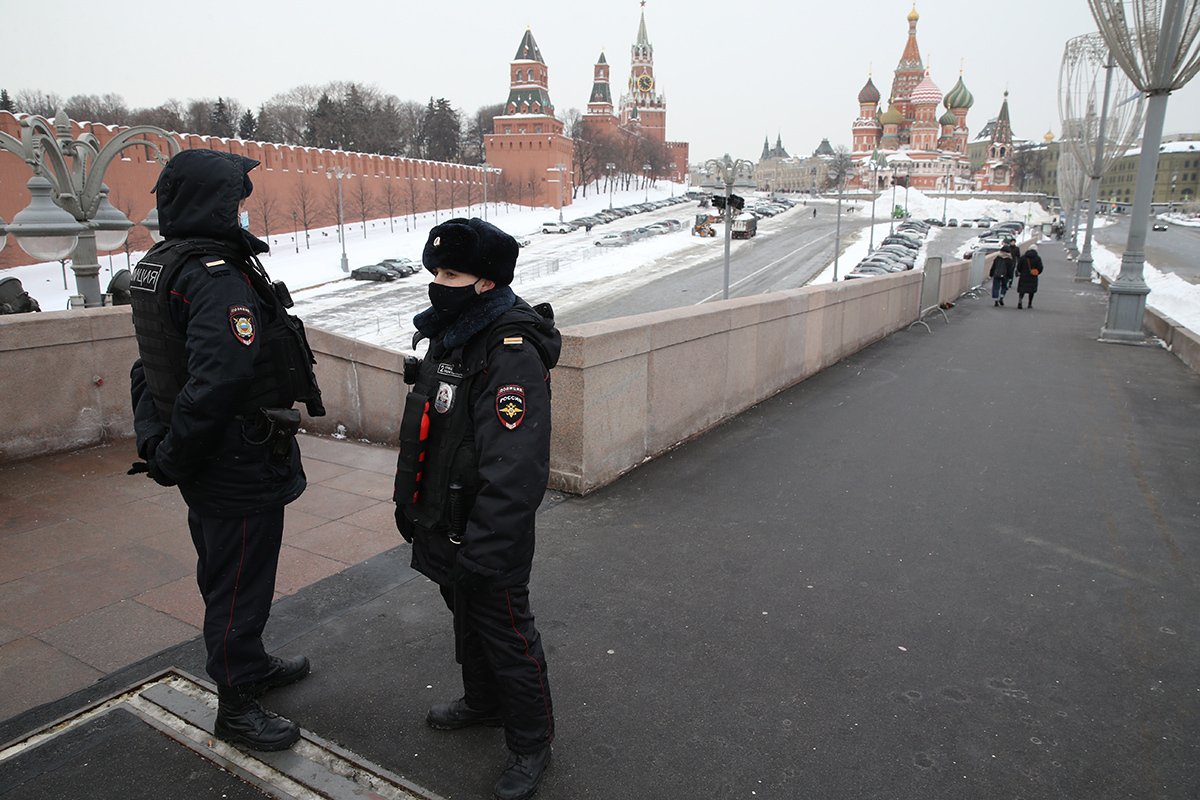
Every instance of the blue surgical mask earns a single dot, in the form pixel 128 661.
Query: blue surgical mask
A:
pixel 244 219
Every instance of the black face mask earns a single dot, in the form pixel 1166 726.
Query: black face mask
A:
pixel 450 301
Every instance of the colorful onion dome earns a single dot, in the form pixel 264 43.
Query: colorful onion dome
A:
pixel 892 116
pixel 926 92
pixel 959 97
pixel 869 93
pixel 948 119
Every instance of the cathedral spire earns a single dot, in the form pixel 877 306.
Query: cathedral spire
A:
pixel 642 39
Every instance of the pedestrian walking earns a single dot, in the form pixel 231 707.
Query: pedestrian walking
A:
pixel 814 213
pixel 1028 270
pixel 1010 247
pixel 1001 273
pixel 473 465
pixel 221 365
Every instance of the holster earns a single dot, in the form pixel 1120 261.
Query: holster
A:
pixel 274 427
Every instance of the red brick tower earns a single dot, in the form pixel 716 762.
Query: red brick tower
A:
pixel 527 141
pixel 643 102
pixel 599 116
pixel 867 130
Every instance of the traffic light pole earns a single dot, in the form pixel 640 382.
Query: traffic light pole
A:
pixel 728 232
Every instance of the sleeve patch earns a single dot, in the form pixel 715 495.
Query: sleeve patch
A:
pixel 510 405
pixel 241 320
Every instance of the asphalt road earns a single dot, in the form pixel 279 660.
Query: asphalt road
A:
pixel 789 259
pixel 1172 250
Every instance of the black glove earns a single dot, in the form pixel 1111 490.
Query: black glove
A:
pixel 150 465
pixel 466 580
pixel 403 525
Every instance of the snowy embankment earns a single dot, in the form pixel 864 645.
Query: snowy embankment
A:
pixel 1169 293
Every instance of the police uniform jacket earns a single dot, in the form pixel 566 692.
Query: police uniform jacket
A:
pixel 213 443
pixel 487 455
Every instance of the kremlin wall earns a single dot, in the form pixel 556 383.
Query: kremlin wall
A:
pixel 294 188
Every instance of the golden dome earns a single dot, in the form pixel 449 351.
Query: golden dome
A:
pixel 913 16
pixel 1049 137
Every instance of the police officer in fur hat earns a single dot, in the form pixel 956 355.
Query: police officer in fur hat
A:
pixel 221 365
pixel 473 465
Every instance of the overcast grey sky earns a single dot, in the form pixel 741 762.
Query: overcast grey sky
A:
pixel 732 72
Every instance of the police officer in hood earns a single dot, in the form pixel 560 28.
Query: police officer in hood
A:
pixel 222 363
pixel 473 465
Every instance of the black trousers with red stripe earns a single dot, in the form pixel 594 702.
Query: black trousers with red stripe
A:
pixel 235 569
pixel 503 666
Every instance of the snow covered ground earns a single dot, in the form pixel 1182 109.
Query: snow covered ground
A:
pixel 564 269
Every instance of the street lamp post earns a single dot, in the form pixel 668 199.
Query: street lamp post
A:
pixel 561 169
pixel 295 232
pixel 69 212
pixel 674 167
pixel 945 187
pixel 874 193
pixel 339 173
pixel 892 210
pixel 727 170
pixel 646 181
pixel 610 166
pixel 1171 194
pixel 488 169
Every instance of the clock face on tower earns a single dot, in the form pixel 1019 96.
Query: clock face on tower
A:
pixel 645 83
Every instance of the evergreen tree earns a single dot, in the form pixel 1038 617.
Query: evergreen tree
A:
pixel 441 131
pixel 221 121
pixel 247 126
pixel 6 103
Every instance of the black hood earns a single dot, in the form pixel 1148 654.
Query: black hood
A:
pixel 198 194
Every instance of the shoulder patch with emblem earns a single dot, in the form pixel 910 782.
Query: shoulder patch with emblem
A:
pixel 514 342
pixel 510 405
pixel 241 320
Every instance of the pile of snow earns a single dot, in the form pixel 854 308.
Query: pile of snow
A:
pixel 1169 293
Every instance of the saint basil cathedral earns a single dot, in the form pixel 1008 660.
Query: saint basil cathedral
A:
pixel 910 143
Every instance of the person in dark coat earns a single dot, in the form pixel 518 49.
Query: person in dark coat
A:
pixel 473 466
pixel 1028 270
pixel 1001 273
pixel 221 364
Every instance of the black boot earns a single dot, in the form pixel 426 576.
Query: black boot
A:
pixel 522 775
pixel 1019 304
pixel 282 672
pixel 241 720
pixel 457 714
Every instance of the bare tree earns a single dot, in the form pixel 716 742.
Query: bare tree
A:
pixel 364 201
pixel 35 101
pixel 304 208
pixel 263 207
pixel 391 202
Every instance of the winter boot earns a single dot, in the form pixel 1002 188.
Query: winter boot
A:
pixel 996 303
pixel 282 672
pixel 1019 304
pixel 1001 301
pixel 242 721
pixel 456 715
pixel 522 775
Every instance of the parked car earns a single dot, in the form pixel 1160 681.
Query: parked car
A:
pixel 952 223
pixel 403 267
pixel 614 239
pixel 522 241
pixel 866 272
pixel 374 272
pixel 934 221
pixel 557 227
pixel 659 228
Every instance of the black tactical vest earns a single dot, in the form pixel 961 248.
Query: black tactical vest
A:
pixel 283 368
pixel 440 404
